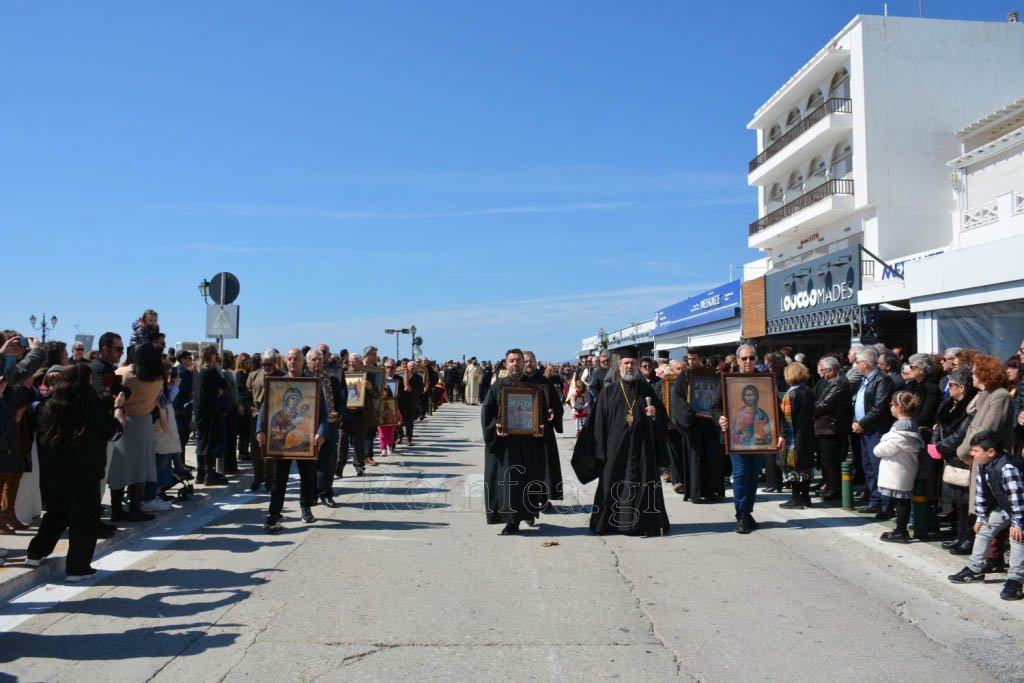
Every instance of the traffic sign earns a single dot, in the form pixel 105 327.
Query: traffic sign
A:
pixel 224 288
pixel 222 321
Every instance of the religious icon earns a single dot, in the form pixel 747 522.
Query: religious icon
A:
pixel 519 409
pixel 667 382
pixel 393 385
pixel 375 383
pixel 355 383
pixel 388 413
pixel 751 403
pixel 293 408
pixel 704 387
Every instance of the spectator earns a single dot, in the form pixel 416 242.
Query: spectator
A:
pixel 19 365
pixel 898 452
pixel 78 352
pixel 872 419
pixel 182 373
pixel 143 329
pixel 798 407
pixel 73 432
pixel 209 388
pixel 133 462
pixel 231 409
pixel 833 413
pixel 950 429
pixel 243 367
pixel 948 358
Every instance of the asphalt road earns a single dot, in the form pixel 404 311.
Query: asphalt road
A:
pixel 404 581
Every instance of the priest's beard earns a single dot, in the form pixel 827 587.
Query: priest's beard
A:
pixel 628 375
pixel 516 375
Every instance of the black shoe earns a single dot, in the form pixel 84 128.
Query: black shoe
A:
pixel 962 548
pixel 255 485
pixel 895 537
pixel 1011 590
pixel 751 521
pixel 307 515
pixel 792 505
pixel 273 524
pixel 216 479
pixel 327 501
pixel 949 545
pixel 832 495
pixel 510 530
pixel 869 510
pixel 884 515
pixel 360 471
pixel 743 526
pixel 105 530
pixel 118 515
pixel 967 575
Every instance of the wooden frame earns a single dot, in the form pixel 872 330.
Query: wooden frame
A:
pixel 753 428
pixel 667 382
pixel 293 410
pixel 375 377
pixel 388 415
pixel 703 387
pixel 355 385
pixel 519 409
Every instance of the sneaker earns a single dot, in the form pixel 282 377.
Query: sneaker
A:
pixel 33 561
pixel 273 524
pixel 1012 590
pixel 307 515
pixel 967 575
pixel 75 578
pixel 155 505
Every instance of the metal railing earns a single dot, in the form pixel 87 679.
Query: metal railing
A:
pixel 823 191
pixel 830 106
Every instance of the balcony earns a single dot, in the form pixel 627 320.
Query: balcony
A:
pixel 818 207
pixel 835 105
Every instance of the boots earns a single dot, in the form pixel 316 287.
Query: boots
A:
pixel 117 511
pixel 800 497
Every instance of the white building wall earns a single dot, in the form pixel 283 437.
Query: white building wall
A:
pixel 995 176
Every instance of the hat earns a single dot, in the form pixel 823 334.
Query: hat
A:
pixel 629 352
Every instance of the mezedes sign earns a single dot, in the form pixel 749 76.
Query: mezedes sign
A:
pixel 823 284
pixel 720 303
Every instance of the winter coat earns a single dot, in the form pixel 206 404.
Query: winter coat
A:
pixel 952 421
pixel 989 410
pixel 898 453
pixel 833 407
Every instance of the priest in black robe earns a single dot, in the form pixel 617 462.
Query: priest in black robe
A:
pixel 513 465
pixel 629 432
pixel 552 465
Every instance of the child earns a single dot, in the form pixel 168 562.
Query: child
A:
pixel 580 405
pixel 897 468
pixel 999 503
pixel 386 433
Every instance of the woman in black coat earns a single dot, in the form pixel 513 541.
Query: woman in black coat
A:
pixel 951 426
pixel 74 429
pixel 923 382
pixel 209 387
pixel 798 405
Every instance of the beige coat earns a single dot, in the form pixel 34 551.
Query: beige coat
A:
pixel 472 379
pixel 989 410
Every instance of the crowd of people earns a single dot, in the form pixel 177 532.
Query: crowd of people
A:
pixel 119 419
pixel 945 431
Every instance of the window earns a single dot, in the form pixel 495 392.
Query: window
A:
pixel 842 160
pixel 795 186
pixel 774 134
pixel 814 101
pixel 793 118
pixel 817 173
pixel 776 198
pixel 840 86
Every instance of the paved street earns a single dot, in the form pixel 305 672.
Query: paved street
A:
pixel 404 581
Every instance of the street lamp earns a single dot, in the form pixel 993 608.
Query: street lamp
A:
pixel 396 332
pixel 204 290
pixel 42 324
pixel 412 340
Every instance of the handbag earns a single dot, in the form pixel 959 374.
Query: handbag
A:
pixel 956 476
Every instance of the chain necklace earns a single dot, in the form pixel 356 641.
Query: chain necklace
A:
pixel 629 406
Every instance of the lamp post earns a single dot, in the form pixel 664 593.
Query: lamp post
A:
pixel 204 290
pixel 396 332
pixel 42 327
pixel 412 342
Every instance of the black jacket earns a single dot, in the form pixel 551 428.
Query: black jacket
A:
pixel 952 420
pixel 877 396
pixel 931 396
pixel 833 407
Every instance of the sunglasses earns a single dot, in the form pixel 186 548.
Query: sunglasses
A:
pixel 745 359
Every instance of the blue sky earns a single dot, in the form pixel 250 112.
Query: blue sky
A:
pixel 497 174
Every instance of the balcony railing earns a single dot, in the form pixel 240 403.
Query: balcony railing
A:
pixel 830 106
pixel 823 191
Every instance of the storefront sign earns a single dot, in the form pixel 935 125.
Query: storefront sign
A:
pixel 898 267
pixel 719 303
pixel 804 294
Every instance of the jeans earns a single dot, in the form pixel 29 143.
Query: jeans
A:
pixel 746 470
pixel 997 521
pixel 870 463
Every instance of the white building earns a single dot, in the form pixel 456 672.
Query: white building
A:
pixel 973 293
pixel 852 150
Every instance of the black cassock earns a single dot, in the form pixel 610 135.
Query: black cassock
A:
pixel 513 466
pixel 552 466
pixel 629 498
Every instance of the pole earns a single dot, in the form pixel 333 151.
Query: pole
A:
pixel 847 486
pixel 223 296
pixel 397 350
